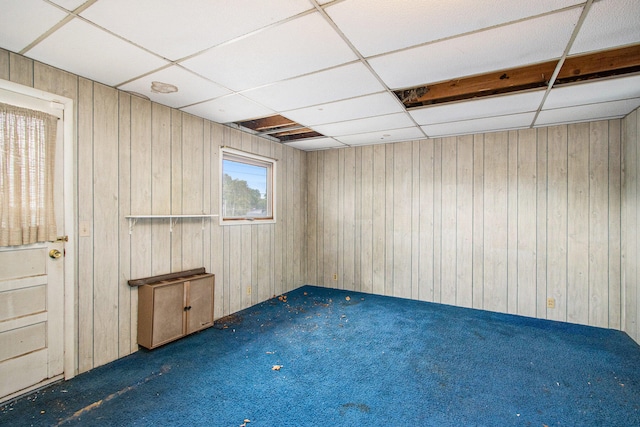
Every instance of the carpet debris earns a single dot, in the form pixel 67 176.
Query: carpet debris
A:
pixel 282 298
pixel 348 298
pixel 276 367
pixel 244 424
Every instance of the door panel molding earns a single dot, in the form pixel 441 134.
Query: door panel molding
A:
pixel 59 303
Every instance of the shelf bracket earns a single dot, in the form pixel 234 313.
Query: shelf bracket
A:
pixel 172 223
pixel 132 223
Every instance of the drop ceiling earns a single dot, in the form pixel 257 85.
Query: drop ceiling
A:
pixel 335 73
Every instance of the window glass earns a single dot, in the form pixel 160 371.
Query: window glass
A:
pixel 246 187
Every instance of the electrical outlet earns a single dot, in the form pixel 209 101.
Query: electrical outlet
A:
pixel 335 277
pixel 551 302
pixel 248 290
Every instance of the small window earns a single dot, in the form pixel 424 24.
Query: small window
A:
pixel 247 190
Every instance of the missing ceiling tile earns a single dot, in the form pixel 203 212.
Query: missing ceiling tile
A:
pixel 279 127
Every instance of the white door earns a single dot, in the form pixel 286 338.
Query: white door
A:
pixel 32 293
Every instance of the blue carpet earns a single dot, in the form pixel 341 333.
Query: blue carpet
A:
pixel 353 359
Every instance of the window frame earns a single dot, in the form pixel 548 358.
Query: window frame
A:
pixel 239 156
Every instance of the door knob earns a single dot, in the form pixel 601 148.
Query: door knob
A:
pixel 55 254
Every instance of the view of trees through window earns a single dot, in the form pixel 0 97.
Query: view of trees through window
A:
pixel 244 189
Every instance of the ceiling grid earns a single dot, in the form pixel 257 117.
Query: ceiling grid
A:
pixel 326 74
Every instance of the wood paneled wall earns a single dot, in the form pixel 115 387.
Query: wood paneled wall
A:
pixel 138 157
pixel 631 224
pixel 498 221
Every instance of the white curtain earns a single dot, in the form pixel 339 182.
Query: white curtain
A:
pixel 27 159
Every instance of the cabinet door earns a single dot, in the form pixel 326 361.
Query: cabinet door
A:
pixel 168 317
pixel 200 297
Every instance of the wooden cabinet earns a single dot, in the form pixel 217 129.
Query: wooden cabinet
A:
pixel 172 308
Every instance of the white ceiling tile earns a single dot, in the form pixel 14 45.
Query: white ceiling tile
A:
pixel 479 108
pixel 21 22
pixel 487 124
pixel 69 4
pixel 177 29
pixel 383 137
pixel 369 124
pixel 594 92
pixel 85 50
pixel 315 144
pixel 609 23
pixel 326 86
pixel 230 108
pixel 583 113
pixel 348 109
pixel 300 46
pixel 500 48
pixel 191 88
pixel 378 26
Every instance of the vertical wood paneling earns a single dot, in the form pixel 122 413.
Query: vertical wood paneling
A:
pixel 106 221
pixel 264 244
pixel 388 216
pixel 541 223
pixel 379 172
pixel 20 69
pixel 54 80
pixel 217 242
pixel 630 224
pixel 312 220
pixel 366 218
pixel 330 211
pixel 464 222
pixel 127 303
pixel 357 230
pixel 426 178
pixel 598 279
pixel 348 219
pixel 401 260
pixel 614 229
pixel 415 220
pixel 320 220
pixel 449 255
pixel 512 223
pixel 85 218
pixel 160 188
pixel 192 190
pixel 578 224
pixel 496 221
pixel 300 173
pixel 526 223
pixel 437 220
pixel 4 64
pixel 478 221
pixel 176 190
pixel 278 240
pixel 557 221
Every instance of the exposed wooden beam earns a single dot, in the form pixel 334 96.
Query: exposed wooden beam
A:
pixel 603 64
pixel 288 132
pixel 504 81
pixel 583 67
pixel 266 123
pixel 309 134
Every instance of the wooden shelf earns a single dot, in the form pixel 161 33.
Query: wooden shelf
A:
pixel 173 219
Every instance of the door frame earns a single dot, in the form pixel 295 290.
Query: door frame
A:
pixel 70 203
